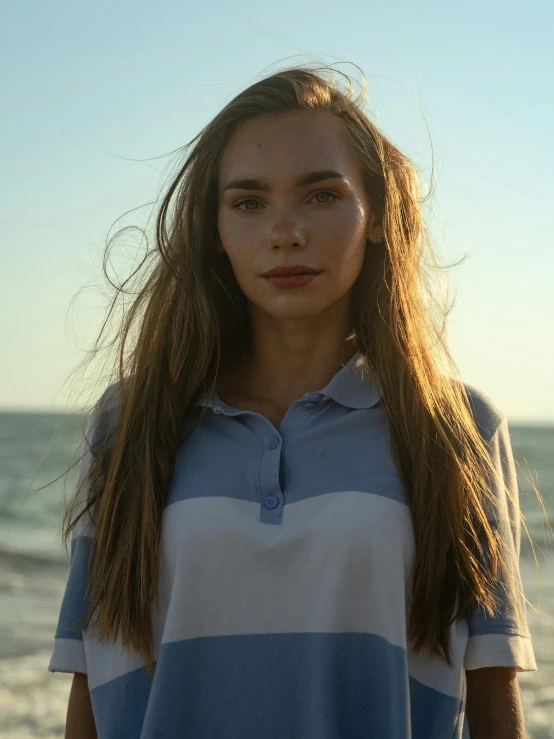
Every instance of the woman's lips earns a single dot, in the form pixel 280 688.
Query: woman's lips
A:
pixel 293 280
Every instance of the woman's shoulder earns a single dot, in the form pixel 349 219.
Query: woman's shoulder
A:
pixel 104 415
pixel 487 413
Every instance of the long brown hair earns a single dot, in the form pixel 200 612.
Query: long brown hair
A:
pixel 189 323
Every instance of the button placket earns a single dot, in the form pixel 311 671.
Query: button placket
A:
pixel 270 490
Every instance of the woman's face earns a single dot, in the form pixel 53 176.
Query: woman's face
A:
pixel 274 221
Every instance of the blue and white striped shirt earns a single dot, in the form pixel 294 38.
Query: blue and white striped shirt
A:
pixel 284 589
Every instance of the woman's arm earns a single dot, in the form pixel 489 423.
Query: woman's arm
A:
pixel 493 704
pixel 80 719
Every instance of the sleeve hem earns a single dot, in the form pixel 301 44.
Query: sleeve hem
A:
pixel 500 650
pixel 68 656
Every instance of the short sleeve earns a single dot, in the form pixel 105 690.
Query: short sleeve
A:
pixel 503 640
pixel 69 653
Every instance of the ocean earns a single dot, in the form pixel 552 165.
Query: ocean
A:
pixel 36 448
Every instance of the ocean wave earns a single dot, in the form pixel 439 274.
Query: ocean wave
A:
pixel 31 561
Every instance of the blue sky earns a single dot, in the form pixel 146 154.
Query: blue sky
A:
pixel 89 90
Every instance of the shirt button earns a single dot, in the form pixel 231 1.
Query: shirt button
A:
pixel 273 442
pixel 271 501
pixel 310 404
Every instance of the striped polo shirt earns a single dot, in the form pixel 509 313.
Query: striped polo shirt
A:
pixel 284 585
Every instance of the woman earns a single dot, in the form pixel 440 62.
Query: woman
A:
pixel 303 525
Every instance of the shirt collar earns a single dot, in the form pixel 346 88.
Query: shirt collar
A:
pixel 352 386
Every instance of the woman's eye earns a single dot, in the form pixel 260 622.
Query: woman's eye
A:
pixel 242 202
pixel 327 192
pixel 236 206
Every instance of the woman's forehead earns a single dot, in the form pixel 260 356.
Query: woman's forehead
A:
pixel 286 146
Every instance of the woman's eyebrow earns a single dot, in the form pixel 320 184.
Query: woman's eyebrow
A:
pixel 302 181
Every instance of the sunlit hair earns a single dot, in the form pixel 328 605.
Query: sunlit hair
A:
pixel 189 323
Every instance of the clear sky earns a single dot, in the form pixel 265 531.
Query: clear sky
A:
pixel 89 90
